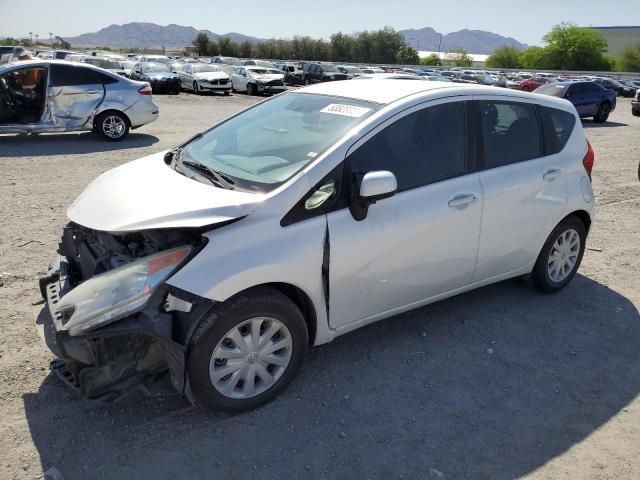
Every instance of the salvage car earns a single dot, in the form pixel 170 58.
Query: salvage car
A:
pixel 321 72
pixel 292 73
pixel 107 63
pixel 620 89
pixel 635 105
pixel 305 217
pixel 158 75
pixel 204 77
pixel 38 96
pixel 256 80
pixel 590 99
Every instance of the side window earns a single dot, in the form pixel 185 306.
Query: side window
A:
pixel 557 127
pixel 69 75
pixel 510 132
pixel 423 147
pixel 105 79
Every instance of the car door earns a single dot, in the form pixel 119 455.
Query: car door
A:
pixel 576 94
pixel 74 92
pixel 186 77
pixel 420 243
pixel 525 191
pixel 593 97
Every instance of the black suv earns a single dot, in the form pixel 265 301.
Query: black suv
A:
pixel 321 72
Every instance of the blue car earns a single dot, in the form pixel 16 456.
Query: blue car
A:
pixel 590 99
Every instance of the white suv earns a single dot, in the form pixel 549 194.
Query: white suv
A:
pixel 307 216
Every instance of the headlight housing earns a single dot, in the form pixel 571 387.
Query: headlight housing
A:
pixel 109 296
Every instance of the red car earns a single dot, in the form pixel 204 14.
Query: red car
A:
pixel 530 84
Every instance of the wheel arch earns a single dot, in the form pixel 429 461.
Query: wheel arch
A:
pixel 584 217
pixel 298 296
pixel 106 110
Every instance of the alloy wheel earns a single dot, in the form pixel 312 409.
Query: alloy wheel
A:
pixel 563 255
pixel 113 126
pixel 250 358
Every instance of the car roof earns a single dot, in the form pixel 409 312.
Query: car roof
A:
pixel 377 90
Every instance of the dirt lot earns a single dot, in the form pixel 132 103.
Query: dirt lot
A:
pixel 499 383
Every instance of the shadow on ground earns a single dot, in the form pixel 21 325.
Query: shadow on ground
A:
pixel 591 124
pixel 67 144
pixel 490 384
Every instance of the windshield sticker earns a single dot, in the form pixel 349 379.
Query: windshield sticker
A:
pixel 346 110
pixel 311 154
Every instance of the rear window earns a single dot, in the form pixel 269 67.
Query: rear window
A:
pixel 557 126
pixel 510 133
pixel 552 89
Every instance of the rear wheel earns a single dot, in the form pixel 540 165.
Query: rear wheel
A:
pixel 635 113
pixel 603 112
pixel 246 351
pixel 560 256
pixel 196 88
pixel 113 126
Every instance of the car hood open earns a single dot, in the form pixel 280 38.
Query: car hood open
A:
pixel 147 193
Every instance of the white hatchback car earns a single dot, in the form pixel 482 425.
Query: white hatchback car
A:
pixel 307 216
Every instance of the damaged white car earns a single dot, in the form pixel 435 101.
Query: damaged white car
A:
pixel 39 96
pixel 302 218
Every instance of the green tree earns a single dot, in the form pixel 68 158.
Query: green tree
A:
pixel 458 57
pixel 407 55
pixel 570 47
pixel 201 44
pixel 246 49
pixel 227 47
pixel 534 58
pixel 505 57
pixel 341 46
pixel 433 59
pixel 629 60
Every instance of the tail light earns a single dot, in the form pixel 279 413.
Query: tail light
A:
pixel 588 159
pixel 146 90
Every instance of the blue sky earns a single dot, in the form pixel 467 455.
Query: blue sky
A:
pixel 526 21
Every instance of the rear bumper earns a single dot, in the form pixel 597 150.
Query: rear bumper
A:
pixel 143 112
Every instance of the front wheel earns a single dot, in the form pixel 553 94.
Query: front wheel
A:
pixel 246 351
pixel 196 88
pixel 561 256
pixel 603 112
pixel 113 126
pixel 251 89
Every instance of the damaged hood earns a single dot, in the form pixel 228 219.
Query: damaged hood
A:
pixel 147 193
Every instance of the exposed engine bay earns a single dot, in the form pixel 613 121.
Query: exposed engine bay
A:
pixel 144 345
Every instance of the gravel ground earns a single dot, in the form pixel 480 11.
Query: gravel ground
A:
pixel 499 383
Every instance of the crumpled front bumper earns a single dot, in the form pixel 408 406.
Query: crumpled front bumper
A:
pixel 111 359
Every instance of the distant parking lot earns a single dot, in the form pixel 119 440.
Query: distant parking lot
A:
pixel 498 383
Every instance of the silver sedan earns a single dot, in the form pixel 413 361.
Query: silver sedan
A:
pixel 40 96
pixel 203 77
pixel 254 80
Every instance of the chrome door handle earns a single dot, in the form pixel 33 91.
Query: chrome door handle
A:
pixel 551 174
pixel 461 201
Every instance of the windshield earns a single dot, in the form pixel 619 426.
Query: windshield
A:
pixel 231 61
pixel 107 64
pixel 205 68
pixel 159 59
pixel 266 145
pixel 127 64
pixel 154 67
pixel 552 89
pixel 259 71
pixel 330 68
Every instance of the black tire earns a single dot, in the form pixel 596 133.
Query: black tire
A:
pixel 259 302
pixel 232 88
pixel 251 89
pixel 603 113
pixel 635 113
pixel 226 93
pixel 102 125
pixel 539 277
pixel 307 82
pixel 196 89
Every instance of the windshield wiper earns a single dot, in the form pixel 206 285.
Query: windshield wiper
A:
pixel 213 175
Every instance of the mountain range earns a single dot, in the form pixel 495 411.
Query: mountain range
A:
pixel 473 41
pixel 149 35
pixel 172 37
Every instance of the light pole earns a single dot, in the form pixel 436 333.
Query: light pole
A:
pixel 36 37
pixel 50 38
pixel 31 35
